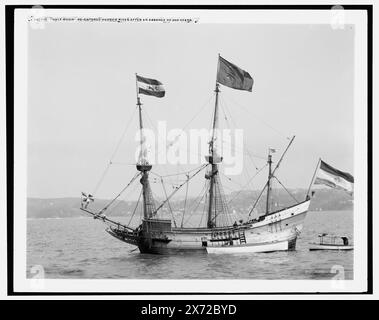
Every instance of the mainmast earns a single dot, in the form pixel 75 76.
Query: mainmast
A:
pixel 213 159
pixel 144 166
pixel 233 77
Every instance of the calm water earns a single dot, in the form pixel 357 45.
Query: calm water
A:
pixel 80 248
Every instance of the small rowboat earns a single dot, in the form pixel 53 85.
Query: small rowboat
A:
pixel 331 242
pixel 250 248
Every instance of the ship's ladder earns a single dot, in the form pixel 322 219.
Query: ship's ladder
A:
pixel 242 237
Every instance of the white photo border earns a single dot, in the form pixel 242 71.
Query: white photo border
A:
pixel 359 284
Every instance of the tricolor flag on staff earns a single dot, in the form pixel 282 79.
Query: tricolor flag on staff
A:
pixel 150 87
pixel 232 76
pixel 334 178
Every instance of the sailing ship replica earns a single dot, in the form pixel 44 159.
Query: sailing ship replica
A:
pixel 273 231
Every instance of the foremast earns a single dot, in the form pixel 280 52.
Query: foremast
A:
pixel 144 167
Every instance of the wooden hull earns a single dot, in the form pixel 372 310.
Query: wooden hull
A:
pixel 277 231
pixel 316 246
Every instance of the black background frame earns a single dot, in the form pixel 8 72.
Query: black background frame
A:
pixel 9 42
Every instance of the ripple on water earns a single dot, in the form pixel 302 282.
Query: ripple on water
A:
pixel 68 248
pixel 73 272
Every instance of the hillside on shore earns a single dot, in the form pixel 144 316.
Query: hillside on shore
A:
pixel 242 201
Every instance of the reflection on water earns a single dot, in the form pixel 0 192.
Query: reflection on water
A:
pixel 79 248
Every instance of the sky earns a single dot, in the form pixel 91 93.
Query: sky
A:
pixel 82 96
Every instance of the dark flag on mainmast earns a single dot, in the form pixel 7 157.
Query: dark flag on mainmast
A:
pixel 232 76
pixel 150 87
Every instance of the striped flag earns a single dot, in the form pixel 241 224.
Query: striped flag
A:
pixel 233 77
pixel 334 178
pixel 150 87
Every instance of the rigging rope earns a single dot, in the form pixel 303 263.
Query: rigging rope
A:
pixel 123 135
pixel 101 179
pixel 175 174
pixel 286 189
pixel 188 123
pixel 170 145
pixel 205 202
pixel 250 154
pixel 168 202
pixel 120 202
pixel 272 173
pixel 259 197
pixel 202 192
pixel 247 183
pixel 153 126
pixel 185 203
pixel 224 212
pixel 135 209
pixel 250 157
pixel 110 203
pixel 281 134
pixel 113 154
pixel 177 188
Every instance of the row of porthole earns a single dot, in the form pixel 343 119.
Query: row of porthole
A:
pixel 223 235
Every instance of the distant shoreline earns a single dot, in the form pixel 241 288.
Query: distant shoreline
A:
pixel 323 200
pixel 126 216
